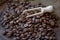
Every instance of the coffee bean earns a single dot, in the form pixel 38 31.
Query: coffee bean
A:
pixel 4 32
pixel 43 33
pixel 18 27
pixel 26 7
pixel 46 37
pixel 10 34
pixel 37 20
pixel 26 25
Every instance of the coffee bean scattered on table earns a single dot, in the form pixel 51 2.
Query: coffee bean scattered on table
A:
pixel 18 27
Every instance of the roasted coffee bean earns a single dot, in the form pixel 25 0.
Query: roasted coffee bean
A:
pixel 37 20
pixel 37 17
pixel 10 34
pixel 26 7
pixel 49 29
pixel 43 33
pixel 16 38
pixel 46 37
pixel 26 25
pixel 5 32
pixel 40 20
pixel 19 27
pixel 52 23
pixel 14 30
pixel 41 29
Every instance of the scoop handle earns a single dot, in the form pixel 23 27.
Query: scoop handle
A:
pixel 48 8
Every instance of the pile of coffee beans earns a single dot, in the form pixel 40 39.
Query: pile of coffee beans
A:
pixel 18 27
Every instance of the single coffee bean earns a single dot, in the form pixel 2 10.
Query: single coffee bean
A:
pixel 5 32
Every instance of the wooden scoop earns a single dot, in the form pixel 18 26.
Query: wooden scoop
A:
pixel 43 10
